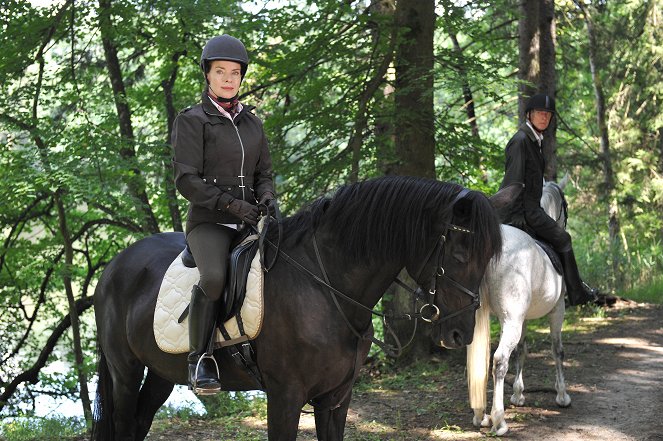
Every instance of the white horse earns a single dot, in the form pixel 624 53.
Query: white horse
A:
pixel 521 285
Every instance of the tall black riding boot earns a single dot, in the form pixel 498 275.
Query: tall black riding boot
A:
pixel 579 292
pixel 203 370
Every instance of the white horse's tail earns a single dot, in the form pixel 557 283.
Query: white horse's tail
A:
pixel 478 356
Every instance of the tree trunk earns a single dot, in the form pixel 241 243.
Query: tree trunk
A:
pixel 608 189
pixel 171 113
pixel 136 184
pixel 468 104
pixel 414 118
pixel 414 137
pixel 73 310
pixel 370 89
pixel 536 32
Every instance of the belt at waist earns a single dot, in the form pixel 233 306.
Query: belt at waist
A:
pixel 233 181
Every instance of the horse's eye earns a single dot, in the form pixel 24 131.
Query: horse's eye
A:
pixel 461 255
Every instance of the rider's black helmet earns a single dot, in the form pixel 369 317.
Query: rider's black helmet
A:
pixel 224 47
pixel 540 101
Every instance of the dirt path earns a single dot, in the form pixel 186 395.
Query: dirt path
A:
pixel 614 374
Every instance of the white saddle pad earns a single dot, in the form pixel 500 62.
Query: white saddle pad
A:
pixel 175 294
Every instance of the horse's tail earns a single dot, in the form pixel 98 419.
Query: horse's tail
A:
pixel 478 356
pixel 102 422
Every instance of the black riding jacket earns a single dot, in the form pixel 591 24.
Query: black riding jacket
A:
pixel 217 160
pixel 525 163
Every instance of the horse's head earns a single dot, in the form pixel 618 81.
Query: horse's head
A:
pixel 466 240
pixel 553 201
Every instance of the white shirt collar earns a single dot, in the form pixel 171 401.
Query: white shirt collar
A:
pixel 537 135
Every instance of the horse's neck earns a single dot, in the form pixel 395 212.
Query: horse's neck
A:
pixel 364 282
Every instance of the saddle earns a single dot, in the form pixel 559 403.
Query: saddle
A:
pixel 552 255
pixel 244 249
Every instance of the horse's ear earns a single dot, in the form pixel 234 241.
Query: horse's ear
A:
pixel 463 207
pixel 506 196
pixel 564 181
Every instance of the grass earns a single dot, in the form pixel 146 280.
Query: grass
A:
pixel 650 293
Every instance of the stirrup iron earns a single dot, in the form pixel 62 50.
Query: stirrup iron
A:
pixel 201 390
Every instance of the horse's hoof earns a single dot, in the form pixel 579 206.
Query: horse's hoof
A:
pixel 479 421
pixel 501 430
pixel 518 400
pixel 563 401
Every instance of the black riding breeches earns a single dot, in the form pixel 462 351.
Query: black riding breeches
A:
pixel 545 228
pixel 210 246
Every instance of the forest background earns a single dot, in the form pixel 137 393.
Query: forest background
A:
pixel 348 90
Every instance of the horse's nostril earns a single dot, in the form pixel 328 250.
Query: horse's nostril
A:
pixel 456 337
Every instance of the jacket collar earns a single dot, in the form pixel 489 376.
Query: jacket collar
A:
pixel 529 131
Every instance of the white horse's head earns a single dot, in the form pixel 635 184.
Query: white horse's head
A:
pixel 553 201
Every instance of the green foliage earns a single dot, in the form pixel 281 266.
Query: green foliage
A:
pixel 234 404
pixel 43 429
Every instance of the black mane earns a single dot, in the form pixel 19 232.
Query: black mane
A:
pixel 394 216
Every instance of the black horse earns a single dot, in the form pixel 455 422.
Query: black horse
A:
pixel 309 349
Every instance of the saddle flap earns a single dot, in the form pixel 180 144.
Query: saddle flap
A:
pixel 552 255
pixel 239 264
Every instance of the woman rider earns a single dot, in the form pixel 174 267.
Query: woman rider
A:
pixel 525 164
pixel 223 168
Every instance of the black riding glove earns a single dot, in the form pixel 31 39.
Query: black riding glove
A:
pixel 266 200
pixel 243 210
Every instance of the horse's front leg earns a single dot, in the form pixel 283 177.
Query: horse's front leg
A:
pixel 556 320
pixel 284 406
pixel 330 423
pixel 520 354
pixel 508 340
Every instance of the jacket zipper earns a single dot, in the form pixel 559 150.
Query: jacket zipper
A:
pixel 241 171
pixel 241 144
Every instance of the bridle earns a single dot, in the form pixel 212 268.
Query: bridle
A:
pixel 437 252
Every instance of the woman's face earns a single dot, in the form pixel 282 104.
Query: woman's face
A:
pixel 540 119
pixel 224 78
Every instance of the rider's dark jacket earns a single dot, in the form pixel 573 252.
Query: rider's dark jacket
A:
pixel 217 160
pixel 525 164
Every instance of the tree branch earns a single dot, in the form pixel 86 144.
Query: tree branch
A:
pixel 31 375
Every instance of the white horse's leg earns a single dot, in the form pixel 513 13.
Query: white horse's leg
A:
pixel 508 341
pixel 520 354
pixel 556 320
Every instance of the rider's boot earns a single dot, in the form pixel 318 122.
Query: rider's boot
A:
pixel 579 292
pixel 203 370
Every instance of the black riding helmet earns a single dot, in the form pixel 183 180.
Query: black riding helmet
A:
pixel 540 101
pixel 224 47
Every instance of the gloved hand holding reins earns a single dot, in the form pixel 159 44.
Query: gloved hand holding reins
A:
pixel 243 210
pixel 266 200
